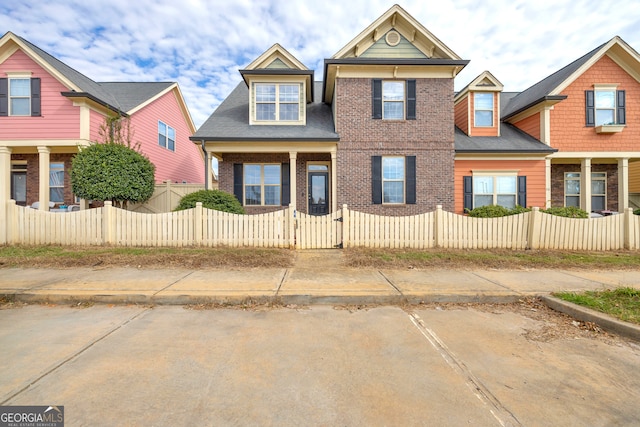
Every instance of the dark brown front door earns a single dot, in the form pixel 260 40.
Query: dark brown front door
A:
pixel 318 193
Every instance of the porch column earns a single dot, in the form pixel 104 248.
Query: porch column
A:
pixel 293 191
pixel 585 185
pixel 547 185
pixel 43 177
pixel 334 182
pixel 623 184
pixel 5 190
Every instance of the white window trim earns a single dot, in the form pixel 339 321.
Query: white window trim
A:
pixel 579 195
pixel 604 178
pixel 404 101
pixel 494 175
pixel 52 169
pixel 18 76
pixel 475 108
pixel 301 102
pixel 403 180
pixel 262 184
pixel 166 137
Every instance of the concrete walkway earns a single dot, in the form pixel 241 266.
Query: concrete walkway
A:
pixel 317 277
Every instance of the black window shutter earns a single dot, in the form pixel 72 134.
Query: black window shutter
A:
pixel 591 107
pixel 468 193
pixel 35 97
pixel 4 97
pixel 286 187
pixel 237 182
pixel 376 180
pixel 410 189
pixel 376 89
pixel 622 117
pixel 522 191
pixel 411 99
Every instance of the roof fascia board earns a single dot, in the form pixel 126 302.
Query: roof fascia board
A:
pixel 87 96
pixel 534 107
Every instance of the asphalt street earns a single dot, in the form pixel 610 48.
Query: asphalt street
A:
pixel 316 365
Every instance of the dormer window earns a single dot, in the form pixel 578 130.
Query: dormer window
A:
pixel 278 102
pixel 483 109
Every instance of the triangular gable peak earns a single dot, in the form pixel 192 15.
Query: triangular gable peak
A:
pixel 276 57
pixel 548 91
pixel 10 44
pixel 616 49
pixel 276 62
pixel 485 82
pixel 396 21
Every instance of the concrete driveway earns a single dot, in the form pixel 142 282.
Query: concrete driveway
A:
pixel 318 365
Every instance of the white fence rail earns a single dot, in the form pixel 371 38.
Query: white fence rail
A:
pixel 282 229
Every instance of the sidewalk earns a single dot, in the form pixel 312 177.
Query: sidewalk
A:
pixel 318 277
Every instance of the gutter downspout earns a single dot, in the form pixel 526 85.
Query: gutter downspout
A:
pixel 206 166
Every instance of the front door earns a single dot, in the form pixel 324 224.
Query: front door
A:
pixel 318 193
pixel 19 187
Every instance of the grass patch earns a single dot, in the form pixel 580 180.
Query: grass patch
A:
pixel 621 303
pixel 493 259
pixel 80 256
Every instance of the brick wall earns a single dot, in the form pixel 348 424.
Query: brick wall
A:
pixel 557 183
pixel 33 175
pixel 429 138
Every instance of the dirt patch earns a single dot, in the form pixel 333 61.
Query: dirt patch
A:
pixel 555 325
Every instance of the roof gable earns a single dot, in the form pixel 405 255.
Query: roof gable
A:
pixel 485 82
pixel 276 57
pixel 399 20
pixel 550 88
pixel 393 45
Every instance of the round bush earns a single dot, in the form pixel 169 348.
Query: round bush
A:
pixel 636 212
pixel 211 199
pixel 567 211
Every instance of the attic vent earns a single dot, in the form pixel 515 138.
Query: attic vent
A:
pixel 392 38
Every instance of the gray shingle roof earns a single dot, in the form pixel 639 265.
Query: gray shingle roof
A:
pixel 511 140
pixel 129 95
pixel 121 96
pixel 544 87
pixel 230 121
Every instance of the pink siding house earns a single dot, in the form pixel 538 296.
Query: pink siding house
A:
pixel 48 110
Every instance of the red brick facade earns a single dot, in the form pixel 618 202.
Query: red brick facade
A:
pixel 33 174
pixel 429 138
pixel 557 182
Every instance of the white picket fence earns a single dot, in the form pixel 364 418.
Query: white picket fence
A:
pixel 344 228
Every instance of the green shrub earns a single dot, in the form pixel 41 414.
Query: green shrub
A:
pixel 636 212
pixel 494 211
pixel 211 199
pixel 567 211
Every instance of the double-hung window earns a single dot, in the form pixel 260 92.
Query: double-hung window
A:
pixel 572 189
pixel 262 184
pixel 483 109
pixel 393 99
pixel 56 182
pixel 166 136
pixel 20 97
pixel 393 179
pixel 495 190
pixel 606 108
pixel 277 102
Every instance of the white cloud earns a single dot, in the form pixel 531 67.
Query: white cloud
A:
pixel 202 44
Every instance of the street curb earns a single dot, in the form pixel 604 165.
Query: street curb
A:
pixel 584 314
pixel 242 299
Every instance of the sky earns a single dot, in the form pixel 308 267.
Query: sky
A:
pixel 202 44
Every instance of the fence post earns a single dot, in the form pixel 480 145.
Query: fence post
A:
pixel 533 238
pixel 438 226
pixel 629 229
pixel 345 226
pixel 107 222
pixel 198 224
pixel 292 226
pixel 10 224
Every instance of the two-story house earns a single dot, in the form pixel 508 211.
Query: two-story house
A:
pixel 376 134
pixel 48 110
pixel 385 132
pixel 569 140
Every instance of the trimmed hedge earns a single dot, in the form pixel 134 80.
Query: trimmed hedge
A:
pixel 636 212
pixel 211 199
pixel 567 212
pixel 494 211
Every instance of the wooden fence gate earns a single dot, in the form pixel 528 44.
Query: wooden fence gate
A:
pixel 319 232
